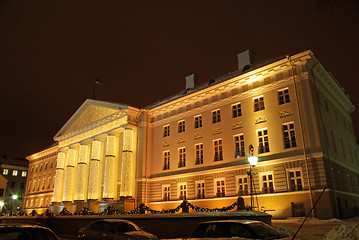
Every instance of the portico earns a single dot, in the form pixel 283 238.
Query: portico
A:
pixel 96 158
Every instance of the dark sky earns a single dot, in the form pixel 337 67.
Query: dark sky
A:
pixel 51 52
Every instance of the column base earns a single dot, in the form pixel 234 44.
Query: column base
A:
pixel 56 207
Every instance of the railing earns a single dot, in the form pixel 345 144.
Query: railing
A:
pixel 141 209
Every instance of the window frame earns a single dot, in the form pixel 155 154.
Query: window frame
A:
pixel 261 181
pixel 247 184
pixel 200 190
pixel 166 130
pixel 282 98
pixel 180 191
pixel 198 121
pixel 236 111
pixel 241 146
pixel 216 116
pixel 166 160
pixel 218 148
pixel 292 144
pixel 181 126
pixel 5 171
pixel 198 153
pixel 259 105
pixel 290 188
pixel 166 192
pixel 264 148
pixel 181 157
pixel 220 193
pixel 15 172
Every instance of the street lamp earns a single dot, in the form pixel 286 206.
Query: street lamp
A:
pixel 253 160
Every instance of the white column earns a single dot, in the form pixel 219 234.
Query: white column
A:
pixel 57 197
pixel 109 171
pixel 94 170
pixel 81 173
pixel 127 178
pixel 69 175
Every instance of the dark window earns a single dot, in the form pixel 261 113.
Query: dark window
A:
pixel 12 184
pixel 1 192
pixel 236 110
pixel 216 116
pixel 283 96
pixel 22 185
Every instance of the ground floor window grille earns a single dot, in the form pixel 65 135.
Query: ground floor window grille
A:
pixel 200 190
pixel 182 191
pixel 267 183
pixel 220 188
pixel 295 180
pixel 166 193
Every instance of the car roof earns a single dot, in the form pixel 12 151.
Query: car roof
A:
pixel 243 221
pixel 114 220
pixel 21 225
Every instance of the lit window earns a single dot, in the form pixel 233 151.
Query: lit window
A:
pixel 295 180
pixel 236 110
pixel 216 116
pixel 166 191
pixel 220 187
pixel 283 96
pixel 239 146
pixel 182 191
pixel 263 142
pixel 200 189
pixel 166 130
pixel 23 173
pixel 289 135
pixel 181 126
pixel 258 104
pixel 199 153
pixel 198 121
pixel 218 151
pixel 267 183
pixel 5 171
pixel 14 172
pixel 166 160
pixel 242 185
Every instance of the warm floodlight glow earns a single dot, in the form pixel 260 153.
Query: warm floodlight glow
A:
pixel 1 204
pixel 14 197
pixel 252 160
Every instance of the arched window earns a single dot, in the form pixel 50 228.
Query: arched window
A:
pixel 49 183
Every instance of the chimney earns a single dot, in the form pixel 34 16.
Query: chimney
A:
pixel 245 60
pixel 192 81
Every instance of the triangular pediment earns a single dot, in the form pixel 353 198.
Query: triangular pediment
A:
pixel 91 111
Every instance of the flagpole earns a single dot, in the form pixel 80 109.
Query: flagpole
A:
pixel 94 86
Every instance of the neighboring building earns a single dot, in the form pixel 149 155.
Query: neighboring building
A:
pixel 195 145
pixel 15 172
pixel 41 179
pixel 3 183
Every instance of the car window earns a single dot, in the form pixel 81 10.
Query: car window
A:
pixel 238 230
pixel 27 234
pixel 264 231
pixel 102 226
pixel 124 227
pixel 96 225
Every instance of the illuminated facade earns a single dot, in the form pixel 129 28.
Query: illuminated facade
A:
pixel 41 179
pixel 194 145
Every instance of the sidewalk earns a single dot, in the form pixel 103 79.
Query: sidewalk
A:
pixel 313 229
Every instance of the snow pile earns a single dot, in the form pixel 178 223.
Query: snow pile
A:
pixel 284 230
pixel 343 232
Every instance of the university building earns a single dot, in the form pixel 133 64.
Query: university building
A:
pixel 195 146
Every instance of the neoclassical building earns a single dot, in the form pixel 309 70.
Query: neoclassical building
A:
pixel 195 145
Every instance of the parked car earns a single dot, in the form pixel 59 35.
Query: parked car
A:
pixel 25 232
pixel 236 228
pixel 113 229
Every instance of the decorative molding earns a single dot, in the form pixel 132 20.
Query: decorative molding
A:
pixel 216 131
pixel 285 113
pixel 237 125
pixel 165 144
pixel 198 135
pixel 181 140
pixel 260 120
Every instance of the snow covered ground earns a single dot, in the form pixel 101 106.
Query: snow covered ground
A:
pixel 315 229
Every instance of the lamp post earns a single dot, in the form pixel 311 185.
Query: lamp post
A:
pixel 253 160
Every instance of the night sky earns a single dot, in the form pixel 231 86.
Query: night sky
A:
pixel 51 52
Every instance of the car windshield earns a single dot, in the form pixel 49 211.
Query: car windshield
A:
pixel 264 231
pixel 124 227
pixel 26 233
